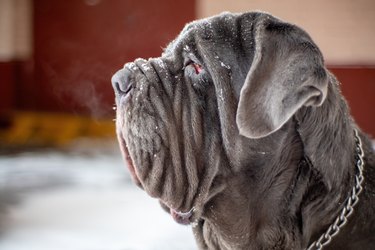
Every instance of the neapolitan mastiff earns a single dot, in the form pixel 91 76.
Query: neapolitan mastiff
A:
pixel 239 129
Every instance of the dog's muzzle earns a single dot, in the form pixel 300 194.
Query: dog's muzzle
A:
pixel 121 82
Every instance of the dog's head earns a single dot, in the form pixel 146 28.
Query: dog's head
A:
pixel 189 119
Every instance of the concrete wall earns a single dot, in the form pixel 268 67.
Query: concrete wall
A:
pixel 15 29
pixel 343 29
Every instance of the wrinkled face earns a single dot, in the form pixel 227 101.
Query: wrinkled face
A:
pixel 180 116
pixel 173 113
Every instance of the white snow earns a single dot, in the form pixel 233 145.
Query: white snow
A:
pixel 131 66
pixel 187 48
pixel 221 95
pixel 82 201
pixel 224 65
pixel 146 67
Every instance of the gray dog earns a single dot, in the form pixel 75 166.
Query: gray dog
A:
pixel 240 130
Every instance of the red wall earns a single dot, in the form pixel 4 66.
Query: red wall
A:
pixel 358 87
pixel 6 86
pixel 78 47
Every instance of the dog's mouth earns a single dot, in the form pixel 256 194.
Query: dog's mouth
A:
pixel 129 163
pixel 184 218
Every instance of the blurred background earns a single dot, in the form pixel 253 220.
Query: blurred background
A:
pixel 62 180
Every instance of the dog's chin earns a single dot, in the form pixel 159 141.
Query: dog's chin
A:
pixel 180 217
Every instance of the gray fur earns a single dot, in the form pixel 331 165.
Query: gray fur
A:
pixel 230 141
pixel 287 73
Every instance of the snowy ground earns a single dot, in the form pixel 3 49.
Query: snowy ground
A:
pixel 81 199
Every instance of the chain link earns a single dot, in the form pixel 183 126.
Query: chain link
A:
pixel 351 201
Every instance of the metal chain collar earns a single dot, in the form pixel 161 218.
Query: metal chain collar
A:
pixel 351 201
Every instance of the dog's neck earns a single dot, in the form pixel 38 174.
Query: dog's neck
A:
pixel 327 135
pixel 331 148
pixel 330 145
pixel 315 186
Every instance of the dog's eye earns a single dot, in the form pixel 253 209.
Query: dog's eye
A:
pixel 196 74
pixel 197 67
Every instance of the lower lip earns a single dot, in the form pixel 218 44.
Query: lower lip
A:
pixel 129 162
pixel 180 217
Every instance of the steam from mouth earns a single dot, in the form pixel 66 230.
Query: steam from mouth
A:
pixel 79 90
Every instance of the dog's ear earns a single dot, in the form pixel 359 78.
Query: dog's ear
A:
pixel 287 72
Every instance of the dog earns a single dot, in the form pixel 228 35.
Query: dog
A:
pixel 240 131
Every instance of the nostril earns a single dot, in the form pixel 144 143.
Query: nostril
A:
pixel 128 88
pixel 116 86
pixel 121 88
pixel 121 81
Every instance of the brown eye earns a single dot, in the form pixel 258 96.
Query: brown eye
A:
pixel 193 65
pixel 197 67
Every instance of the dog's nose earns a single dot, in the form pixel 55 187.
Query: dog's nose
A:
pixel 121 82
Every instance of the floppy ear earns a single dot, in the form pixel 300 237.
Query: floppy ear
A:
pixel 287 73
